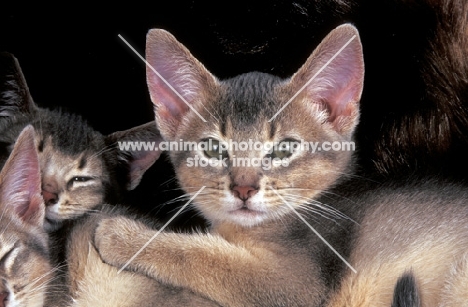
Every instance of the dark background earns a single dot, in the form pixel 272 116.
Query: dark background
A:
pixel 73 58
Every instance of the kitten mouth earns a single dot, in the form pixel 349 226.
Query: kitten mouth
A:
pixel 246 211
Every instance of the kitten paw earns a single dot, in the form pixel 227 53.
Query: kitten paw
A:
pixel 114 240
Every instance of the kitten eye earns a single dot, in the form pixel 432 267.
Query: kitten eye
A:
pixel 214 149
pixel 5 257
pixel 284 149
pixel 79 179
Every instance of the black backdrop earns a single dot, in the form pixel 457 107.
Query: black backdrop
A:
pixel 72 57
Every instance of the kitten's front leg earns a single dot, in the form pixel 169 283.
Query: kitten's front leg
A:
pixel 229 274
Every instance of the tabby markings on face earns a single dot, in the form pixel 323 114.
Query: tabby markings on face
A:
pixel 71 184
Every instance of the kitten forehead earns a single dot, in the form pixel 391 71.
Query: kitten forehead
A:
pixel 69 132
pixel 249 99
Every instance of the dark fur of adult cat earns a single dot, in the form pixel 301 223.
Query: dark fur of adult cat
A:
pixel 258 252
pixel 424 130
pixel 81 168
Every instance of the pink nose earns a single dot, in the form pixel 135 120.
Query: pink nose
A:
pixel 244 192
pixel 49 197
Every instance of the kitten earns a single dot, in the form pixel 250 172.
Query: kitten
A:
pixel 80 167
pixel 25 269
pixel 258 253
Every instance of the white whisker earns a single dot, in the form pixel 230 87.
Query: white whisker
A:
pixel 315 231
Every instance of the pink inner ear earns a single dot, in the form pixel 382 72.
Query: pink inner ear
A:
pixel 338 67
pixel 165 98
pixel 343 97
pixel 340 83
pixel 139 164
pixel 176 80
pixel 21 181
pixel 172 78
pixel 34 208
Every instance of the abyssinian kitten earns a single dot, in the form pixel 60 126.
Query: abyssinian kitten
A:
pixel 81 168
pixel 258 251
pixel 25 267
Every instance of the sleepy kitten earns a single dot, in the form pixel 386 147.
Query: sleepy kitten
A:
pixel 25 269
pixel 258 252
pixel 80 167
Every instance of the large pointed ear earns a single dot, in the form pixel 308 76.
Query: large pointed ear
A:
pixel 138 148
pixel 14 92
pixel 20 181
pixel 176 80
pixel 333 77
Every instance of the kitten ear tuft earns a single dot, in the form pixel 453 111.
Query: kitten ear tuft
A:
pixel 177 81
pixel 131 150
pixel 333 77
pixel 20 181
pixel 14 92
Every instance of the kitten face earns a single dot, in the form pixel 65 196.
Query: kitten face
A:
pixel 250 186
pixel 80 167
pixel 25 269
pixel 75 163
pixel 224 197
pixel 72 184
